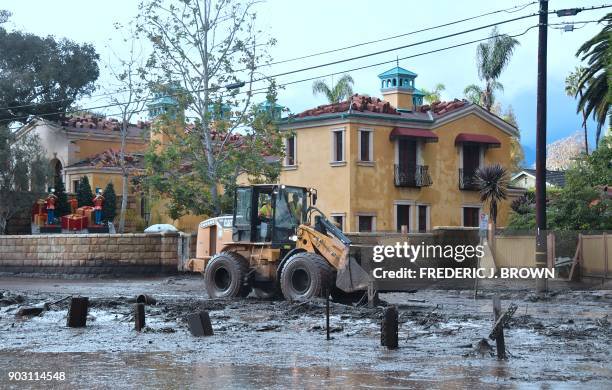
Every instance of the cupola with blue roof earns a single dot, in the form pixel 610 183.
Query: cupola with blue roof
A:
pixel 273 109
pixel 165 101
pixel 398 88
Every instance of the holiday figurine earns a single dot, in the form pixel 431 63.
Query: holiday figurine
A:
pixel 50 205
pixel 98 201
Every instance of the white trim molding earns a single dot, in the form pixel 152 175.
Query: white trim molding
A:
pixel 286 165
pixel 342 215
pixel 332 158
pixel 479 206
pixel 406 202
pixel 358 215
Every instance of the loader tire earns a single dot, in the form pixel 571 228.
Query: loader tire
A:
pixel 305 276
pixel 225 276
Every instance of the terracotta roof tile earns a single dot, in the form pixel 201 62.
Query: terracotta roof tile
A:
pixel 361 103
pixel 97 122
pixel 441 108
pixel 110 159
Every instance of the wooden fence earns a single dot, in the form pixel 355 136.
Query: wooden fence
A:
pixel 591 258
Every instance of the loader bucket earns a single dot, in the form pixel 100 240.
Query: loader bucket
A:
pixel 352 277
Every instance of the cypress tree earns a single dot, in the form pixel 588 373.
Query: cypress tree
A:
pixel 110 203
pixel 84 193
pixel 62 207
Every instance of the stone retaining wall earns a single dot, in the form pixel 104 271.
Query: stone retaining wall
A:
pixel 90 254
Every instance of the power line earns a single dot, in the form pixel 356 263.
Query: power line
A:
pixel 264 89
pixel 507 10
pixel 326 64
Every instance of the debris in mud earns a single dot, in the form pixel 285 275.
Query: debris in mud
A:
pixel 430 319
pixel 603 322
pixel 146 299
pixel 48 305
pixel 27 311
pixel 267 328
pixel 482 349
pixel 199 324
pixel 9 300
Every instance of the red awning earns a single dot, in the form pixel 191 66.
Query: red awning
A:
pixel 426 135
pixel 488 140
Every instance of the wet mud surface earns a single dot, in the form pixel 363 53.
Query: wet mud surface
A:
pixel 563 340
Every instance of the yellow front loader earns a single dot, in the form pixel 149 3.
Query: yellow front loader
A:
pixel 276 242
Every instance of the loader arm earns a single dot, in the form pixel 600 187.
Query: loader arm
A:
pixel 334 247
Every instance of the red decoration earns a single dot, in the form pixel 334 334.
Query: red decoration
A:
pixel 74 222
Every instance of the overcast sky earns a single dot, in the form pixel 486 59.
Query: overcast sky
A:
pixel 304 27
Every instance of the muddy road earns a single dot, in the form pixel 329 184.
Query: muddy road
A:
pixel 564 340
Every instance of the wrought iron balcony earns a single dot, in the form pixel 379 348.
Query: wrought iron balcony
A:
pixel 466 180
pixel 412 176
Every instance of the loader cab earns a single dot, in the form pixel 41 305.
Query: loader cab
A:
pixel 268 213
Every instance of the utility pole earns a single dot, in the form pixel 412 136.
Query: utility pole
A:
pixel 540 185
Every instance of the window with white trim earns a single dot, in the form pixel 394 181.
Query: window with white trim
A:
pixel 366 223
pixel 338 145
pixel 366 149
pixel 338 220
pixel 470 216
pixel 402 217
pixel 290 151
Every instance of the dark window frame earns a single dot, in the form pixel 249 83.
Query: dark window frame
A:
pixel 365 144
pixel 338 146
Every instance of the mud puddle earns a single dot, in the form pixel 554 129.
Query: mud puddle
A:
pixel 561 341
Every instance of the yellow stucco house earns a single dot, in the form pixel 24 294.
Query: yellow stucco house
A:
pixel 396 164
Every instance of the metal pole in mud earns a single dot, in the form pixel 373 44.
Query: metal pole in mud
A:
pixel 327 313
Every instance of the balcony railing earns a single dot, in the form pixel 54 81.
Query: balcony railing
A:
pixel 412 176
pixel 466 180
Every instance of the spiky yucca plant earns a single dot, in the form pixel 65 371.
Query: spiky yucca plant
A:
pixel 492 182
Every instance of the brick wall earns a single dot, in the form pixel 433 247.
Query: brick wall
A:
pixel 90 254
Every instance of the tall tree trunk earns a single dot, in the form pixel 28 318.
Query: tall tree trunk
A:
pixel 124 181
pixel 124 202
pixel 584 125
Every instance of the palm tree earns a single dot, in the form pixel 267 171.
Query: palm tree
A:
pixel 595 100
pixel 572 81
pixel 476 94
pixel 492 182
pixel 435 94
pixel 492 57
pixel 339 92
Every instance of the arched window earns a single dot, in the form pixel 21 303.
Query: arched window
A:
pixel 394 82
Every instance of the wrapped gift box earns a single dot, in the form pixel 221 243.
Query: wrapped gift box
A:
pixel 83 209
pixel 38 208
pixel 74 222
pixel 87 211
pixel 40 219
